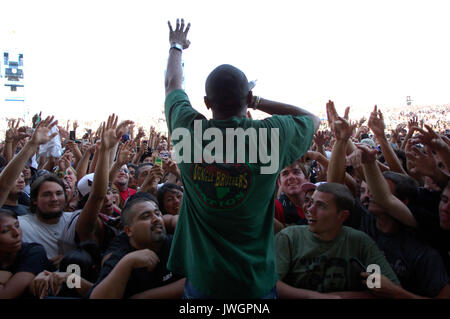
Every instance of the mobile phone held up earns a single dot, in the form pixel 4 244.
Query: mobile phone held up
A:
pixel 158 161
pixel 72 135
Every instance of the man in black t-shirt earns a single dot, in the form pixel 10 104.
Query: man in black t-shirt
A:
pixel 135 266
pixel 420 268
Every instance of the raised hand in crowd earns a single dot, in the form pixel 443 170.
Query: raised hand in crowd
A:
pixel 63 133
pixel 65 161
pixel 36 119
pixel 124 156
pixel 126 153
pixel 380 190
pixel 110 135
pixel 439 144
pixel 423 164
pixel 75 150
pixel 342 130
pixel 171 167
pixel 320 138
pixel 12 138
pixel 377 125
pixel 75 125
pixel 15 166
pixel 154 177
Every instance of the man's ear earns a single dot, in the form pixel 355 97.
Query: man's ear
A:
pixel 344 214
pixel 207 102
pixel 127 230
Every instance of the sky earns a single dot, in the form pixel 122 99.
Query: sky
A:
pixel 87 59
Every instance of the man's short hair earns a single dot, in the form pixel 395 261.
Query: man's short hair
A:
pixel 138 169
pixel 36 185
pixel 406 187
pixel 127 213
pixel 343 197
pixel 227 86
pixel 302 167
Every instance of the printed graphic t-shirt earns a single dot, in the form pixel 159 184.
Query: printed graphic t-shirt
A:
pixel 304 261
pixel 223 242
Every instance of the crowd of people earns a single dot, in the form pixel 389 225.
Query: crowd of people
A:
pixel 355 209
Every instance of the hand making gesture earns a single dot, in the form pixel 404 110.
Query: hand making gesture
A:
pixel 179 35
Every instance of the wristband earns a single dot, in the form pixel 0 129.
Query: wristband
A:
pixel 256 103
pixel 177 46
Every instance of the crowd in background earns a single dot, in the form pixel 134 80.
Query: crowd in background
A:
pixel 129 161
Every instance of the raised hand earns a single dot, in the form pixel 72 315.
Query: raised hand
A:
pixel 63 132
pixel 155 175
pixel 376 122
pixel 139 135
pixel 361 121
pixel 340 126
pixel 179 35
pixel 36 119
pixel 111 132
pixel 331 113
pixel 170 166
pixel 73 147
pixel 64 161
pixel 413 122
pixel 40 135
pixel 320 138
pixel 421 163
pixel 125 154
pixel 14 134
pixel 368 155
pixel 430 138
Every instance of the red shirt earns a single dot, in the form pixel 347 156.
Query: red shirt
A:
pixel 279 212
pixel 127 193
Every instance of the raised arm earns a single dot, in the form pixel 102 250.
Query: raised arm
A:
pixel 342 131
pixel 441 145
pixel 376 124
pixel 111 133
pixel 16 165
pixel 272 107
pixel 178 42
pixel 380 191
pixel 124 156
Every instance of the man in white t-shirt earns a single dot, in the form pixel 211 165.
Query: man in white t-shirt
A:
pixel 49 225
pixel 59 231
pixel 56 230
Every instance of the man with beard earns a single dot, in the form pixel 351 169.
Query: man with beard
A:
pixel 56 230
pixel 136 266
